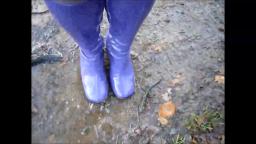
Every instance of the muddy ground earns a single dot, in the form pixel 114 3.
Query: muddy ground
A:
pixel 181 43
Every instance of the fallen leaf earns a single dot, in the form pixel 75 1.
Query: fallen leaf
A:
pixel 158 49
pixel 166 111
pixel 200 120
pixel 219 79
pixel 193 141
pixel 163 121
pixel 51 139
pixel 177 80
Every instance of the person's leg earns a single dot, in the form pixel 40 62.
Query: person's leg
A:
pixel 125 18
pixel 81 19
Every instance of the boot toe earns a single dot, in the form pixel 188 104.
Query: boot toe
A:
pixel 96 91
pixel 123 87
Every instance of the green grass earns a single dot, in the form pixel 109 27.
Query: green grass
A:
pixel 204 122
pixel 178 140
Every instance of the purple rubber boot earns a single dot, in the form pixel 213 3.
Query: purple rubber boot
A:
pixel 81 19
pixel 125 18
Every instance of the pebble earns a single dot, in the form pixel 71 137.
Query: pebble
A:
pixel 169 90
pixel 107 110
pixel 173 131
pixel 165 97
pixel 137 131
pixel 101 108
pixel 34 109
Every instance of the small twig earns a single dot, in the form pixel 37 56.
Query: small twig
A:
pixel 117 139
pixel 42 12
pixel 170 62
pixel 51 58
pixel 101 107
pixel 90 106
pixel 144 98
pixel 138 117
pixel 96 131
pixel 146 66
